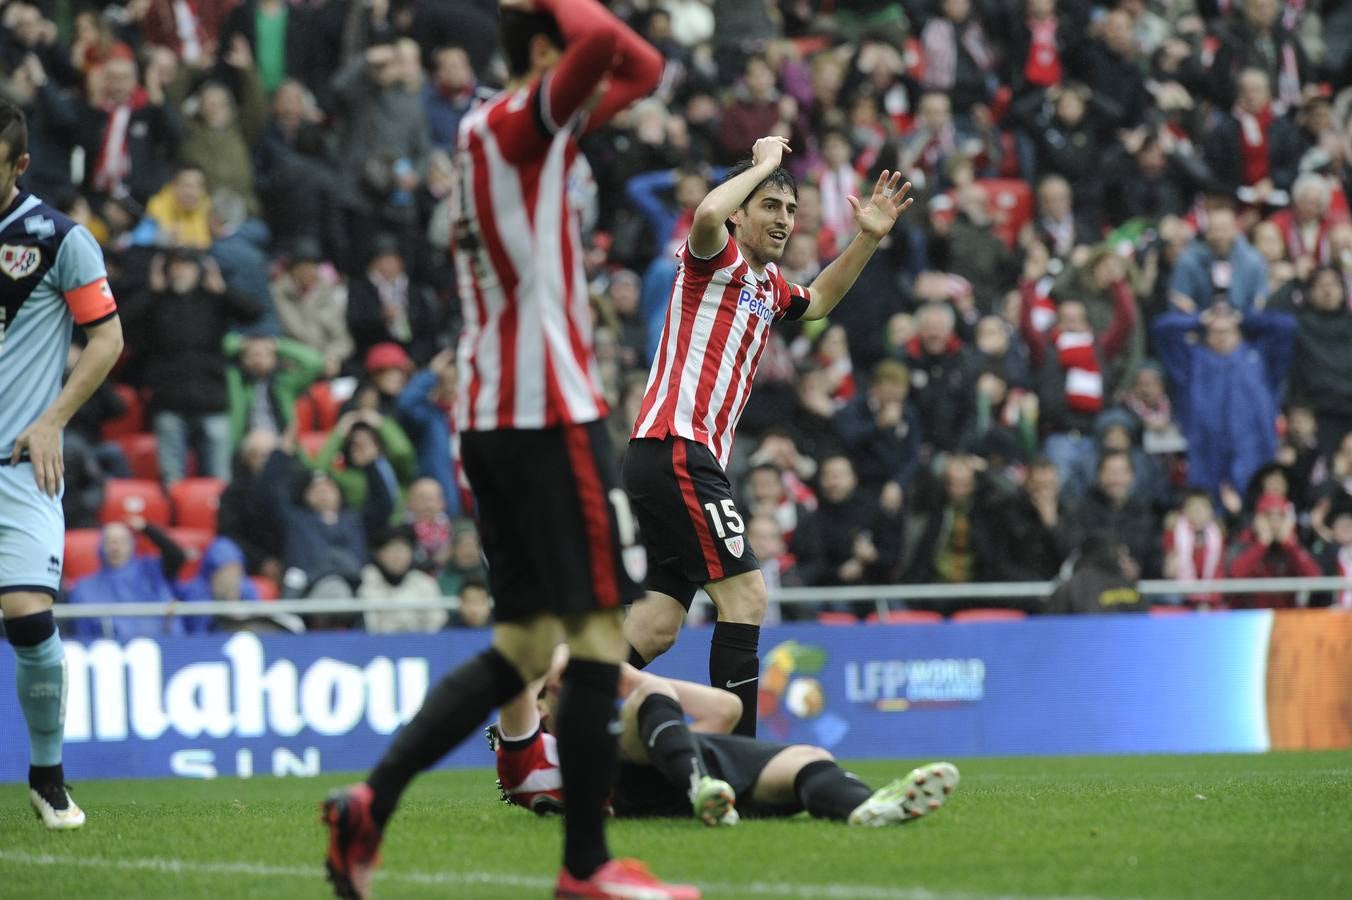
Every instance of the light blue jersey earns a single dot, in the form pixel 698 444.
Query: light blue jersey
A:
pixel 51 277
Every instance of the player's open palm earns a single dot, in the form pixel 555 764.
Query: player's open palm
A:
pixel 41 443
pixel 876 217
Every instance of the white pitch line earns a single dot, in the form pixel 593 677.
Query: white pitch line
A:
pixel 164 866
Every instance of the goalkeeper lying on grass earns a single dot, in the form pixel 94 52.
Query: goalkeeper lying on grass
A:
pixel 671 768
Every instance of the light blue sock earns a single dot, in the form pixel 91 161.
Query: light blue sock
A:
pixel 41 678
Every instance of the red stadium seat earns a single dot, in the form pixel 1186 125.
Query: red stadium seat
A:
pixel 124 497
pixel 132 421
pixel 992 614
pixel 837 618
pixel 141 450
pixel 1167 610
pixel 82 554
pixel 267 588
pixel 194 542
pixel 195 502
pixel 1011 205
pixel 912 617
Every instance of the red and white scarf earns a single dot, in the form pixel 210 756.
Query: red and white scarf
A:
pixel 940 39
pixel 1253 143
pixel 1043 67
pixel 188 27
pixel 1084 378
pixel 114 163
pixel 1288 79
pixel 835 186
pixel 1297 245
pixel 1198 562
pixel 1042 311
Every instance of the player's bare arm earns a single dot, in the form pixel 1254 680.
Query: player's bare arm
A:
pixel 41 441
pixel 875 219
pixel 708 232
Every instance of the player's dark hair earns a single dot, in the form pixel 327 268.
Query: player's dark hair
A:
pixel 781 178
pixel 516 29
pixel 13 129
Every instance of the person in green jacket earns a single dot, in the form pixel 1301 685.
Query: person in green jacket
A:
pixel 371 446
pixel 265 377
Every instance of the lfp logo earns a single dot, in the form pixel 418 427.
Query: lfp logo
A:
pixel 792 697
pixel 755 305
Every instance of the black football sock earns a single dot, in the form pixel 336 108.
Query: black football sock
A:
pixel 671 747
pixel 588 747
pixel 452 709
pixel 734 666
pixel 636 659
pixel 829 792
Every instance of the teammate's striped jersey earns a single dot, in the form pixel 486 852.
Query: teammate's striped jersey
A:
pixel 525 353
pixel 51 276
pixel 718 322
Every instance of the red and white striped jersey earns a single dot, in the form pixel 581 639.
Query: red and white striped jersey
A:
pixel 718 323
pixel 525 356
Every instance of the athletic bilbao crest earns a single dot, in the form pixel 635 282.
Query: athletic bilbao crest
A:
pixel 735 545
pixel 19 262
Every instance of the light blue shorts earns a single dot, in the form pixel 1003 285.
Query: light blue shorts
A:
pixel 32 534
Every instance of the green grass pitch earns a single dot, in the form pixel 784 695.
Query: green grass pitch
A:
pixel 1272 826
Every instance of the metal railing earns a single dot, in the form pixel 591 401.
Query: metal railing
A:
pixel 882 595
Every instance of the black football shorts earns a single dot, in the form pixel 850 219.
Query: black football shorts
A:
pixel 686 515
pixel 548 520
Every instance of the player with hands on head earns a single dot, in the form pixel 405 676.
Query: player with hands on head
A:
pixel 728 291
pixel 533 443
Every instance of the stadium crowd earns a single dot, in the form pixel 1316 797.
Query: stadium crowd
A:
pixel 1111 338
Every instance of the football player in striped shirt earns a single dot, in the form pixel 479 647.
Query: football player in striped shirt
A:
pixel 728 292
pixel 533 443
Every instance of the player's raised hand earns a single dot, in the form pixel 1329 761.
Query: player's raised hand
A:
pixel 41 441
pixel 876 217
pixel 770 150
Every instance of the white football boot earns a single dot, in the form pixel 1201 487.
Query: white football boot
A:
pixel 56 809
pixel 919 793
